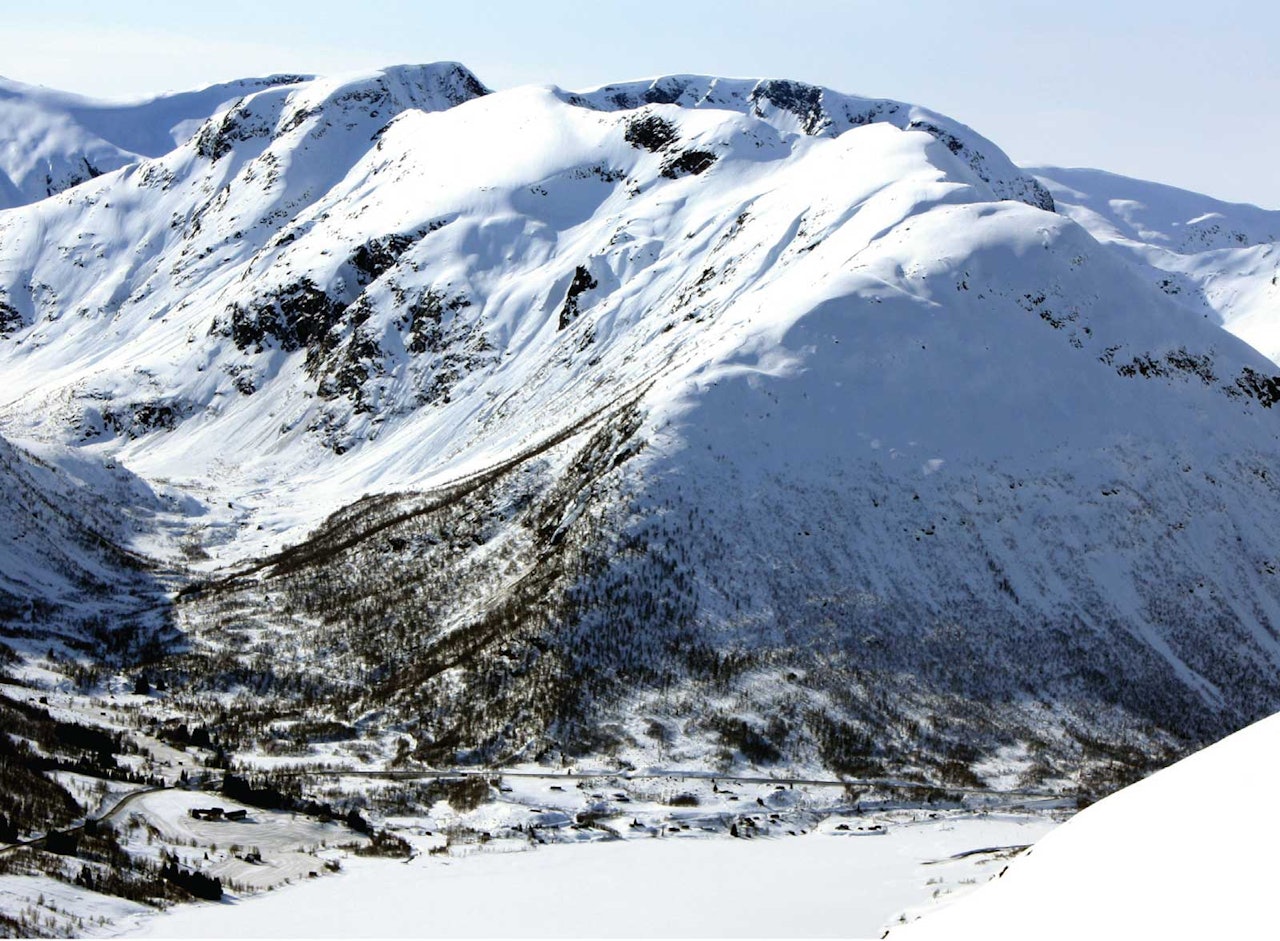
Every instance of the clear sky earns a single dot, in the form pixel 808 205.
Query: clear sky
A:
pixel 1181 92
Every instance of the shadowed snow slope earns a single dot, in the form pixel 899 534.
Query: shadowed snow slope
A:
pixel 733 421
pixel 1158 859
pixel 63 572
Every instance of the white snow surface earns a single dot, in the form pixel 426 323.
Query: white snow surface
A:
pixel 820 885
pixel 64 908
pixel 1222 259
pixel 1177 855
pixel 893 381
pixel 890 383
pixel 121 279
pixel 790 244
pixel 52 140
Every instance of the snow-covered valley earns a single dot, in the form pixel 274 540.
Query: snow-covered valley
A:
pixel 691 427
pixel 824 884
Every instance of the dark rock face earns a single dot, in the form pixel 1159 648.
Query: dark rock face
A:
pixel 291 317
pixel 802 100
pixel 139 418
pixel 650 132
pixel 218 136
pixel 465 85
pixel 581 283
pixel 423 317
pixel 1037 195
pixel 10 320
pixel 302 315
pixel 349 357
pixel 688 163
pixel 376 256
pixel 1266 389
pixel 665 92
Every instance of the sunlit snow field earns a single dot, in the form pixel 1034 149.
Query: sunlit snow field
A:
pixel 825 884
pixel 1168 857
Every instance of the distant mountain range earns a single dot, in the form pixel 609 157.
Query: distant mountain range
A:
pixel 1218 258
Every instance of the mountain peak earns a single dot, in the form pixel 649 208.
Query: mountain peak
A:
pixel 818 111
pixel 371 98
pixel 59 139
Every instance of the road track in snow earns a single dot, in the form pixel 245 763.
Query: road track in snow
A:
pixel 115 808
pixel 1011 798
pixel 676 775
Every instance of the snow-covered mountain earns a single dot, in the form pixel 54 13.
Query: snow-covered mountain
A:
pixel 717 420
pixel 1221 259
pixel 67 579
pixel 52 140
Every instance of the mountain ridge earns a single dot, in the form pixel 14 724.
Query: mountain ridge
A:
pixel 56 140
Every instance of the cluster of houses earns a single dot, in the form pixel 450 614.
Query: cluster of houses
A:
pixel 217 813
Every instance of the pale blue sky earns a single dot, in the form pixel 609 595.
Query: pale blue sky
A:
pixel 1180 92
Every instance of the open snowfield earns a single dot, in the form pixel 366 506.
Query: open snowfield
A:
pixel 287 844
pixel 59 907
pixel 826 884
pixel 1220 259
pixel 1177 855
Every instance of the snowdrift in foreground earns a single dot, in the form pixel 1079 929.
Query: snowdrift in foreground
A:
pixel 1152 861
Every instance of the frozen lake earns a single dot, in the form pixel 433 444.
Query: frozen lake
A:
pixel 824 884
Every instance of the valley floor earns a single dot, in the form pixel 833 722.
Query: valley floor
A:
pixel 521 851
pixel 828 883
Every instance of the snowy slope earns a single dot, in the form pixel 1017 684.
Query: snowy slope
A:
pixel 740 421
pixel 51 140
pixel 1160 859
pixel 1220 258
pixel 795 106
pixel 64 571
pixel 188 252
